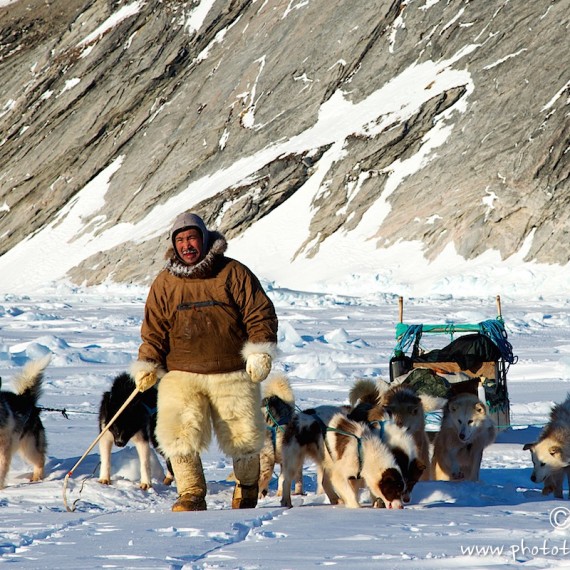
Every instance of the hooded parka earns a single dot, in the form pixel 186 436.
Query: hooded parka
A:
pixel 201 318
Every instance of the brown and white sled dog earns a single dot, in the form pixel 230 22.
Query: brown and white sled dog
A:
pixel 278 407
pixel 466 430
pixel 21 428
pixel 398 439
pixel 551 453
pixel 136 424
pixel 356 457
pixel 404 449
pixel 372 401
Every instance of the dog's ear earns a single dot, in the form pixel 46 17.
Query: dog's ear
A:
pixel 555 450
pixel 480 408
pixel 413 410
pixel 529 446
pixel 417 468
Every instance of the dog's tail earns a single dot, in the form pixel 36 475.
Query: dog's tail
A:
pixel 432 403
pixel 29 382
pixel 278 385
pixel 365 391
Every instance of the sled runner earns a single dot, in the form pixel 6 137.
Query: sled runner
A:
pixel 477 361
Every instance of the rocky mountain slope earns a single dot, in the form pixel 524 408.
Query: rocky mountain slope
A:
pixel 194 100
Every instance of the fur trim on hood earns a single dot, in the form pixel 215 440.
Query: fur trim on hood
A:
pixel 203 268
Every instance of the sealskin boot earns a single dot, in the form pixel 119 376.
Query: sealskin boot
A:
pixel 245 496
pixel 188 502
pixel 190 482
pixel 246 491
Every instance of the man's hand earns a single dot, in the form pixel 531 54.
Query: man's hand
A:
pixel 145 374
pixel 258 366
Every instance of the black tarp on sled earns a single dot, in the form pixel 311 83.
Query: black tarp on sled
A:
pixel 477 361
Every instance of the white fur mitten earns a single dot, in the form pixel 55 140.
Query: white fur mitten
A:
pixel 145 374
pixel 258 366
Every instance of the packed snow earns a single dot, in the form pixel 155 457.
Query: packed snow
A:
pixel 326 342
pixel 337 315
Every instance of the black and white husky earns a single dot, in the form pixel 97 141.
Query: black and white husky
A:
pixel 21 428
pixel 136 423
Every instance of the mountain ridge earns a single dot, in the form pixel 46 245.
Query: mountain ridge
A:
pixel 231 108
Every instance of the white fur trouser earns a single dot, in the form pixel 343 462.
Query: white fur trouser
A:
pixel 190 404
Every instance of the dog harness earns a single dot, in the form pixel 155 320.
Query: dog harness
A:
pixel 276 426
pixel 325 428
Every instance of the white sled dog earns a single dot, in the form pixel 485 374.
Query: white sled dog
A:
pixel 21 428
pixel 551 453
pixel 466 430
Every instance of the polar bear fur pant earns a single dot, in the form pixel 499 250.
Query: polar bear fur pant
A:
pixel 190 404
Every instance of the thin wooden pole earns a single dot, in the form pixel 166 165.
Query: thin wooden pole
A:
pixel 499 312
pixel 401 308
pixel 103 432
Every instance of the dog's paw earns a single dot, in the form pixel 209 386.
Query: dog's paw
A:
pixel 104 481
pixel 145 486
pixel 167 480
pixel 37 473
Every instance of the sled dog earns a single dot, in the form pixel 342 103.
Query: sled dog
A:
pixel 355 458
pixel 278 407
pixel 404 449
pixel 551 453
pixel 398 439
pixel 136 423
pixel 373 401
pixel 303 439
pixel 21 428
pixel 466 430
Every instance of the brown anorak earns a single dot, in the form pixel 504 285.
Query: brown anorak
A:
pixel 198 318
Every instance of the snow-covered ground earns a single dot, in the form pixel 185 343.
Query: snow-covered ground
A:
pixel 326 341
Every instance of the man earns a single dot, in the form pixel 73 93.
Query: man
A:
pixel 209 334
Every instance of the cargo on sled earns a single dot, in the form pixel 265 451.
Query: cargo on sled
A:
pixel 476 359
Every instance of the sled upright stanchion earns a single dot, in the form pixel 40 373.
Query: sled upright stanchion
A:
pixel 103 432
pixel 401 308
pixel 499 312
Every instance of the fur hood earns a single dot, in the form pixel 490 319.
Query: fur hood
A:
pixel 203 268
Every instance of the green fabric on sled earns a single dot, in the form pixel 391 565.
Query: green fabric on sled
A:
pixel 425 381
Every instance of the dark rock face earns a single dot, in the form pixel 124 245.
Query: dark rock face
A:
pixel 176 105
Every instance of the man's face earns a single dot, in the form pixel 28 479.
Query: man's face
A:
pixel 189 245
